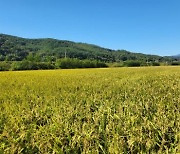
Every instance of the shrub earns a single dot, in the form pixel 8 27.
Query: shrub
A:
pixel 155 64
pixel 69 63
pixel 4 66
pixel 28 65
pixel 176 63
pixel 132 63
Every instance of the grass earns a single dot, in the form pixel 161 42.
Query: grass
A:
pixel 113 110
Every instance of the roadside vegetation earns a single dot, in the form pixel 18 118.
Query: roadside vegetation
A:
pixel 72 63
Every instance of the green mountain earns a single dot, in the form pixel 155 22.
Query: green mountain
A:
pixel 14 48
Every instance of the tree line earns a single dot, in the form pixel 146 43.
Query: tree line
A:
pixel 64 63
pixel 72 63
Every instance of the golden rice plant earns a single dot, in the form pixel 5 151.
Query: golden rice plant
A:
pixel 116 110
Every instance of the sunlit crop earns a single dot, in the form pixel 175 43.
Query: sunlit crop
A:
pixel 116 110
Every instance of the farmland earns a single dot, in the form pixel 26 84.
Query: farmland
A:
pixel 109 110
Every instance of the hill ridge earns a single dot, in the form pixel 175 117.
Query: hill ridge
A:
pixel 14 48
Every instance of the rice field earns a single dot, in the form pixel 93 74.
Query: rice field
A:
pixel 115 110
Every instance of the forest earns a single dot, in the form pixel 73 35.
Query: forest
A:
pixel 25 54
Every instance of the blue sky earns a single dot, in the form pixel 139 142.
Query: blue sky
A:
pixel 146 26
